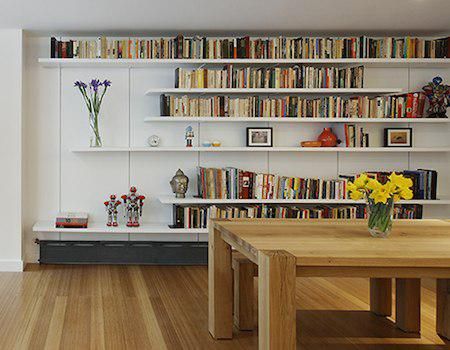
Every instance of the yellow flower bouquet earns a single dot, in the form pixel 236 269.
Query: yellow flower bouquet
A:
pixel 380 199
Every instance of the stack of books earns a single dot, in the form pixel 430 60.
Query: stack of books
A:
pixel 355 136
pixel 233 183
pixel 424 181
pixel 197 216
pixel 409 105
pixel 281 47
pixel 71 220
pixel 270 77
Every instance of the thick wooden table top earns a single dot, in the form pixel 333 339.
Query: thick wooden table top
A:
pixel 412 243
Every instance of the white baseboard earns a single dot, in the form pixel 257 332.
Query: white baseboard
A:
pixel 11 265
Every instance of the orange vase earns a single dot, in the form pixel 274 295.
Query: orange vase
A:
pixel 328 138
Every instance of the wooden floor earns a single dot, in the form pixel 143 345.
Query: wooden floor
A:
pixel 132 307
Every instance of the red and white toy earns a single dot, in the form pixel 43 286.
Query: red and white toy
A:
pixel 111 209
pixel 133 207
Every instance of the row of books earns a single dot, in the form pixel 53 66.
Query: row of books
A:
pixel 71 220
pixel 197 47
pixel 270 77
pixel 233 183
pixel 409 105
pixel 197 216
pixel 424 181
pixel 355 136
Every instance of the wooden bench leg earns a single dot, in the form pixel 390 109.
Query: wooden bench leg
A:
pixel 408 304
pixel 381 296
pixel 276 300
pixel 443 308
pixel 220 289
pixel 243 271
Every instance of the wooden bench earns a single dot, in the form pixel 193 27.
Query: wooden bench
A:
pixel 244 272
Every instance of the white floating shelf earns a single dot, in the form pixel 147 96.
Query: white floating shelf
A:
pixel 267 149
pixel 192 200
pixel 298 91
pixel 293 120
pixel 97 227
pixel 172 63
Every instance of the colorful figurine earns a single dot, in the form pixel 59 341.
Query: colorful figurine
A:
pixel 439 96
pixel 111 208
pixel 189 136
pixel 133 207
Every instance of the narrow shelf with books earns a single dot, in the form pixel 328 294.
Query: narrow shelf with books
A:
pixel 277 91
pixel 210 119
pixel 202 201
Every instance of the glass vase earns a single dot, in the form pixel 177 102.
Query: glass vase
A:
pixel 95 140
pixel 380 218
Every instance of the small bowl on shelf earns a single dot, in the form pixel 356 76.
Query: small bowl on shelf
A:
pixel 206 143
pixel 311 144
pixel 216 143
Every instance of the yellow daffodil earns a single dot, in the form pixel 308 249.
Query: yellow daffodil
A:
pixel 382 194
pixel 396 197
pixel 351 186
pixel 373 184
pixel 406 193
pixel 400 181
pixel 361 181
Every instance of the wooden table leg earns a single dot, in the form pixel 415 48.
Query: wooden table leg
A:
pixel 408 304
pixel 381 296
pixel 276 300
pixel 220 301
pixel 243 272
pixel 443 308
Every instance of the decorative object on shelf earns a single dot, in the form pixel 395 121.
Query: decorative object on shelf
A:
pixel 206 143
pixel 111 209
pixel 154 141
pixel 71 220
pixel 189 136
pixel 93 97
pixel 380 199
pixel 328 138
pixel 439 97
pixel 259 137
pixel 216 143
pixel 311 144
pixel 398 137
pixel 179 184
pixel 133 207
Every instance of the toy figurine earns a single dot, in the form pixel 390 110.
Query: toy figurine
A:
pixel 439 96
pixel 111 208
pixel 133 207
pixel 179 184
pixel 189 136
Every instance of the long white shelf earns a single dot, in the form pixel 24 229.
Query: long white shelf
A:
pixel 192 200
pixel 167 119
pixel 100 227
pixel 170 63
pixel 266 149
pixel 275 91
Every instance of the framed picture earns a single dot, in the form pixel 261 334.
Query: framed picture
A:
pixel 259 137
pixel 398 137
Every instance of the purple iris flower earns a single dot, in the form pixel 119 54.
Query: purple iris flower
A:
pixel 95 84
pixel 80 84
pixel 106 83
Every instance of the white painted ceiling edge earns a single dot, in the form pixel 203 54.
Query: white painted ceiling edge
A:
pixel 153 17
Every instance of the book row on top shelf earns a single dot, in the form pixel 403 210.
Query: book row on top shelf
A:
pixel 249 47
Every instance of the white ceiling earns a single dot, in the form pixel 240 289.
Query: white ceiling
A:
pixel 226 16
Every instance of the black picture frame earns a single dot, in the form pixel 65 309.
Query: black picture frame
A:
pixel 251 143
pixel 388 135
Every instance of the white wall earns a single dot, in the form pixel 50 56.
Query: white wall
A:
pixel 11 150
pixel 56 121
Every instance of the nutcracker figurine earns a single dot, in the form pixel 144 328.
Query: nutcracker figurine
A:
pixel 189 136
pixel 133 207
pixel 111 208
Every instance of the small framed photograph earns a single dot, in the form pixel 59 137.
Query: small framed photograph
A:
pixel 398 137
pixel 259 137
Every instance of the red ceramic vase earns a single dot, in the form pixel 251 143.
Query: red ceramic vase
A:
pixel 328 138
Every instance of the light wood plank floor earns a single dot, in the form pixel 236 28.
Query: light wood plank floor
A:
pixel 132 307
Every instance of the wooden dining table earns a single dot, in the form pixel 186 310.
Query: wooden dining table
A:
pixel 284 249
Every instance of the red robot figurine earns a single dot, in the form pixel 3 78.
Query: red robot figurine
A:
pixel 133 207
pixel 111 209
